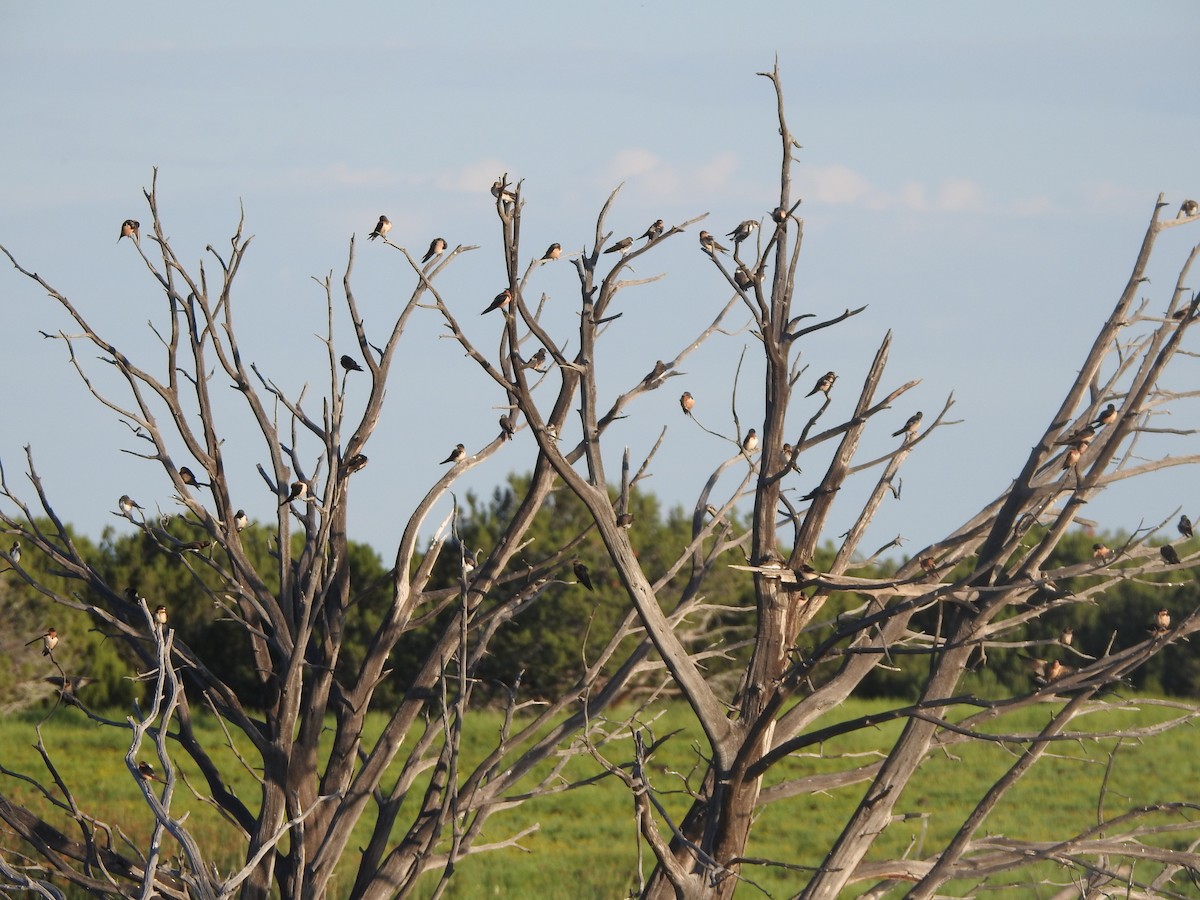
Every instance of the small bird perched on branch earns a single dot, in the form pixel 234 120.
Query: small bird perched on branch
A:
pixel 127 505
pixel 436 248
pixel 750 444
pixel 1107 416
pixel 49 641
pixel 186 476
pixel 298 491
pixel 500 301
pixel 1099 551
pixel 620 246
pixel 160 615
pixel 350 364
pixel 458 454
pixel 382 227
pixel 1185 526
pixel 129 229
pixel 501 194
pixel 1168 553
pixel 709 244
pixel 824 383
pixel 554 251
pixel 910 427
pixel 581 572
pixel 654 232
pixel 743 231
pixel 1187 209
pixel 240 520
pixel 146 771
pixel 686 402
pixel 1162 621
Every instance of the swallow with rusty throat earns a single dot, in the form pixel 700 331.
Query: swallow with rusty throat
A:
pixel 686 402
pixel 49 641
pixel 129 229
pixel 500 301
pixel 554 251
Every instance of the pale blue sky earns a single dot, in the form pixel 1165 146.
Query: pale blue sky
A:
pixel 980 174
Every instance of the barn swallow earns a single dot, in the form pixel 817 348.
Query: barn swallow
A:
pixel 655 374
pixel 1162 620
pixel 436 248
pixel 1071 457
pixel 709 244
pixel 499 302
pixel 1099 551
pixel 1169 554
pixel 1057 670
pixel 554 251
pixel 507 428
pixel 743 231
pixel 1187 209
pixel 382 227
pixel 500 193
pixel 298 491
pixel 779 215
pixel 552 431
pixel 1107 416
pixel 146 771
pixel 536 361
pixel 581 572
pixel 350 364
pixel 160 615
pixel 240 520
pixel 620 246
pixel 14 552
pixel 129 229
pixel 49 641
pixel 824 383
pixel 911 426
pixel 354 463
pixel 1067 636
pixel 743 279
pixel 654 232
pixel 127 505
pixel 1045 671
pixel 186 476
pixel 1185 526
pixel 687 401
pixel 750 444
pixel 625 520
pixel 457 455
pixel 929 564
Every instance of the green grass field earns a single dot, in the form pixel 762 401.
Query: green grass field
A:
pixel 586 845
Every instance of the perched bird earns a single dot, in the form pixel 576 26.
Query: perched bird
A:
pixel 929 564
pixel 1169 554
pixel 655 374
pixel 910 427
pixel 779 215
pixel 436 248
pixel 1187 209
pixel 709 244
pixel 537 360
pixel 500 301
pixel 1067 636
pixel 127 505
pixel 129 229
pixel 458 454
pixel 382 227
pixel 750 444
pixel 625 520
pixel 1044 670
pixel 1185 526
pixel 470 561
pixel 1107 416
pixel 654 232
pixel 1071 458
pixel 554 251
pixel 824 383
pixel 620 246
pixel 298 491
pixel 743 279
pixel 354 463
pixel 14 552
pixel 581 572
pixel 1099 551
pixel 49 641
pixel 502 194
pixel 1162 620
pixel 186 476
pixel 240 520
pixel 350 364
pixel 1082 435
pixel 146 771
pixel 160 614
pixel 507 428
pixel 743 231
pixel 687 401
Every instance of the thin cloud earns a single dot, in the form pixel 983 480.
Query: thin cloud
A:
pixel 655 177
pixel 473 177
pixel 840 185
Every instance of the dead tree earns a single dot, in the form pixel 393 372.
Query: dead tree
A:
pixel 979 587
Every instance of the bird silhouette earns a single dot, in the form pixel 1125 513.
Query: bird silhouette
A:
pixel 1169 553
pixel 1185 526
pixel 581 572
pixel 350 364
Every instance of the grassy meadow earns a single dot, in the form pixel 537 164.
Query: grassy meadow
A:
pixel 586 843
